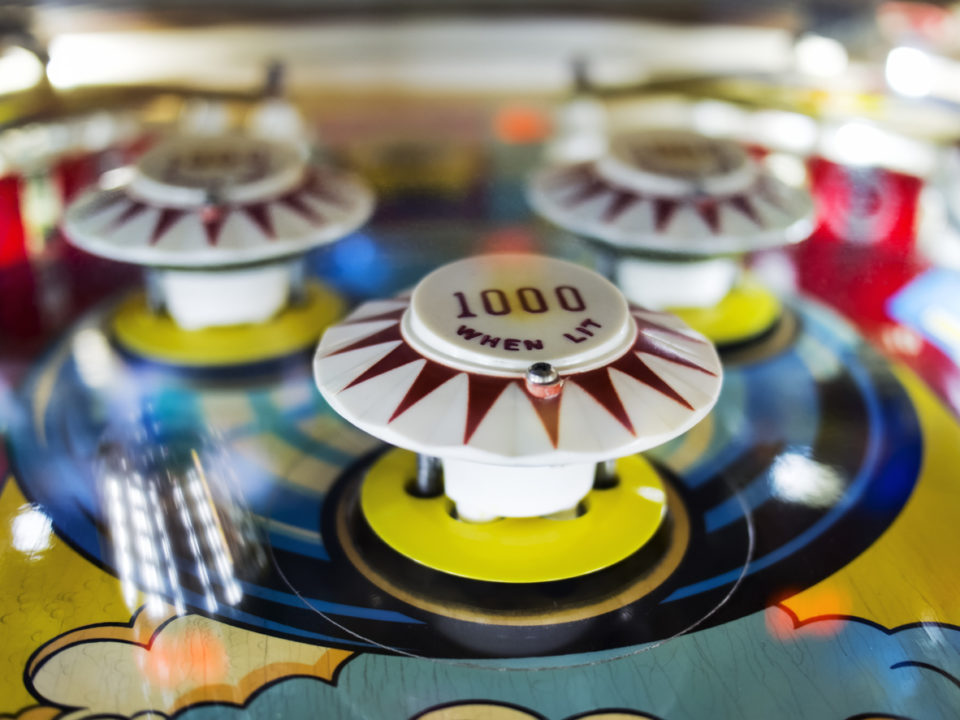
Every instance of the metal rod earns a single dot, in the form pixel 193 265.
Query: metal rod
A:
pixel 606 476
pixel 298 281
pixel 154 291
pixel 429 482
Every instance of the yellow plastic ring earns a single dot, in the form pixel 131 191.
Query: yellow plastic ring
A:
pixel 157 337
pixel 616 523
pixel 747 311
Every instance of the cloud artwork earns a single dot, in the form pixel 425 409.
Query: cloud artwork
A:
pixel 157 666
pixel 909 673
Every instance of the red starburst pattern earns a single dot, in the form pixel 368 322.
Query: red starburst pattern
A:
pixel 484 390
pixel 295 201
pixel 213 217
pixel 134 209
pixel 321 185
pixel 168 217
pixel 259 213
pixel 582 183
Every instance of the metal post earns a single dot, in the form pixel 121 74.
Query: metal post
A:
pixel 606 476
pixel 429 481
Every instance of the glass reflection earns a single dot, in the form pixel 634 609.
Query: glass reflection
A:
pixel 96 364
pixel 31 531
pixel 796 478
pixel 179 530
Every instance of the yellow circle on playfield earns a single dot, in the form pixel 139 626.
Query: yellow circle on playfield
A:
pixel 157 337
pixel 747 311
pixel 616 523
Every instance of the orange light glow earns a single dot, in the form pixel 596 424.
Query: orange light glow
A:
pixel 520 124
pixel 780 624
pixel 511 239
pixel 195 657
pixel 824 608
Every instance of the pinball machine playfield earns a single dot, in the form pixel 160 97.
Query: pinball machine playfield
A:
pixel 193 525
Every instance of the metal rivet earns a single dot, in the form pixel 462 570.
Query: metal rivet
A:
pixel 543 380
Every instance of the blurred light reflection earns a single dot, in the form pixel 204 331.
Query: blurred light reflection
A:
pixel 910 72
pixel 20 69
pixel 901 340
pixel 195 653
pixel 820 56
pixel 357 264
pixel 861 143
pixel 94 359
pixel 798 479
pixel 31 530
pixel 788 168
pixel 580 131
pixel 179 530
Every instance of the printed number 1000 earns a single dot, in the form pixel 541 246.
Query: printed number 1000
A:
pixel 530 300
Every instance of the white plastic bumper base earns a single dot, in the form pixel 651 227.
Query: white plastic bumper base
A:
pixel 202 299
pixel 485 492
pixel 658 284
